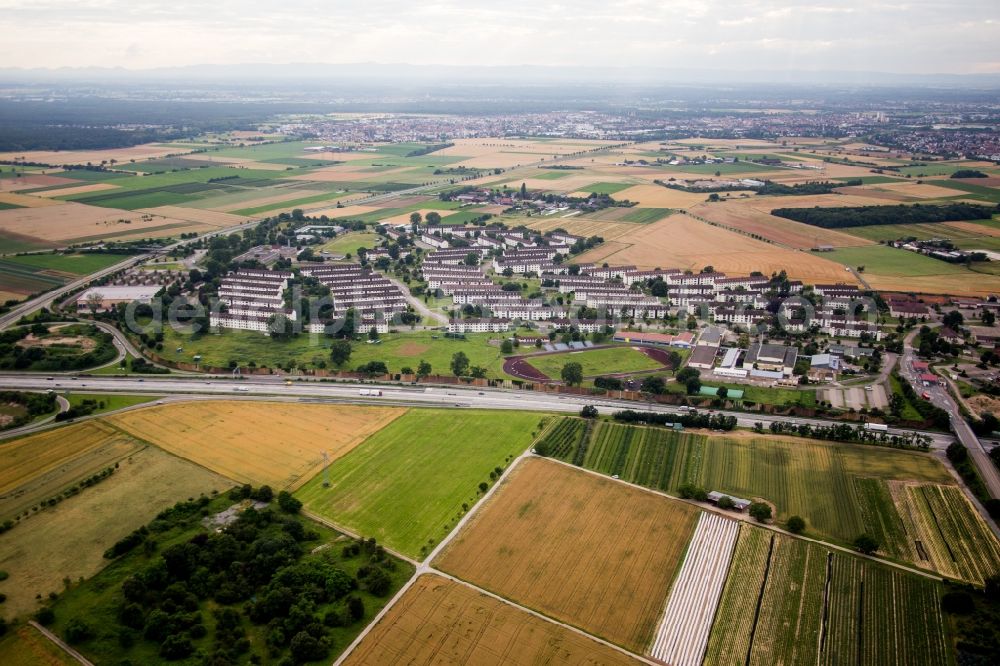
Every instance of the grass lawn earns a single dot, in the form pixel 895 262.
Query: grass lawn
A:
pixel 596 361
pixel 942 169
pixel 909 412
pixel 76 264
pixel 350 242
pixel 110 402
pixel 764 395
pixel 406 484
pixel 406 348
pixel 883 260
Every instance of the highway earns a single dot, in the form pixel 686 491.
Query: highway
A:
pixel 308 390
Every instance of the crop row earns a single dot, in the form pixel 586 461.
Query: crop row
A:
pixel 687 620
pixel 970 542
pixel 609 448
pixel 562 439
pixel 732 631
pixel 880 517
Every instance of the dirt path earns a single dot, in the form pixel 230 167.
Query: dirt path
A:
pixel 58 641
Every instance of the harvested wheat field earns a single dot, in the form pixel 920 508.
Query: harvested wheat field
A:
pixel 26 200
pixel 70 538
pixel 201 216
pixel 753 217
pixel 32 180
pixel 657 196
pixel 681 241
pixel 577 547
pixel 61 221
pixel 236 203
pixel 439 621
pixel 920 190
pixel 582 226
pixel 279 444
pixel 346 211
pixel 145 151
pixel 40 466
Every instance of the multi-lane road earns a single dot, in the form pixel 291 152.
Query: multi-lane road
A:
pixel 313 390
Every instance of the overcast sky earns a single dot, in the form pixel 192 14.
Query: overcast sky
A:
pixel 950 36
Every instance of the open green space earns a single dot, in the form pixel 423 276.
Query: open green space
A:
pixel 605 361
pixel 646 215
pixel 552 174
pixel 406 485
pixel 9 206
pixel 350 242
pixel 803 477
pixel 74 264
pixel 605 188
pixel 932 169
pixel 762 395
pixel 397 350
pixel 107 402
pixel 884 260
pixel 291 569
pixel 870 180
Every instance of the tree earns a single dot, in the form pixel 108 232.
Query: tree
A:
pixel 373 333
pixel 423 369
pixel 722 392
pixel 589 412
pixel 459 364
pixel 865 543
pixel 507 347
pixel 77 631
pixel 957 603
pixel 572 374
pixel 654 385
pixel 279 326
pixel 94 301
pixel 796 525
pixel 415 218
pixel 433 218
pixel 340 352
pixel 524 191
pixel 304 647
pixel 288 503
pixel 726 502
pixel 760 511
pixel 989 318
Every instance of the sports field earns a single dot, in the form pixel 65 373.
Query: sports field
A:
pixel 407 483
pixel 595 361
pixel 349 243
pixel 69 539
pixel 438 621
pixel 582 549
pixel 278 444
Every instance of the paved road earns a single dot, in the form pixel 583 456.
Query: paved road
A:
pixel 940 397
pixel 308 390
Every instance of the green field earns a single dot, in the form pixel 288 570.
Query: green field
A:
pixel 595 361
pixel 884 260
pixel 763 395
pixel 552 174
pixel 932 169
pixel 978 191
pixel 108 402
pixel 8 206
pixel 871 180
pixel 605 188
pixel 646 215
pixel 406 484
pixel 801 477
pixel 349 243
pixel 397 350
pixel 74 264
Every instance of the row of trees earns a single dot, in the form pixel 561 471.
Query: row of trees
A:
pixel 863 216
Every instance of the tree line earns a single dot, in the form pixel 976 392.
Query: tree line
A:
pixel 864 216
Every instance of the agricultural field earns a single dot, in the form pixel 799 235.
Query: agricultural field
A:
pixel 443 622
pixel 680 241
pixel 27 645
pixel 687 620
pixel 67 264
pixel 610 360
pixel 793 474
pixel 278 444
pixel 563 436
pixel 40 466
pixel 409 483
pixel 897 269
pixel 584 550
pixel 68 539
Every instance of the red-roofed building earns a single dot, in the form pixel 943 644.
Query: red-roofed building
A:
pixel 920 366
pixel 928 379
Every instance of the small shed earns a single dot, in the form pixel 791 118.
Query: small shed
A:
pixel 739 504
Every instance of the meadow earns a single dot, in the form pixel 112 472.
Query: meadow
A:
pixel 27 645
pixel 278 444
pixel 71 264
pixel 348 244
pixel 581 549
pixel 108 402
pixel 443 622
pixel 407 484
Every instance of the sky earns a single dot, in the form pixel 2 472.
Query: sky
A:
pixel 951 36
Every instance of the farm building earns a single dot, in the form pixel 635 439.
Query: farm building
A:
pixel 111 296
pixel 738 503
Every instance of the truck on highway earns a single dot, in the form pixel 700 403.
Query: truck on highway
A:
pixel 370 392
pixel 877 427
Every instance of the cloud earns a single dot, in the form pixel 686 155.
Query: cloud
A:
pixel 918 36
